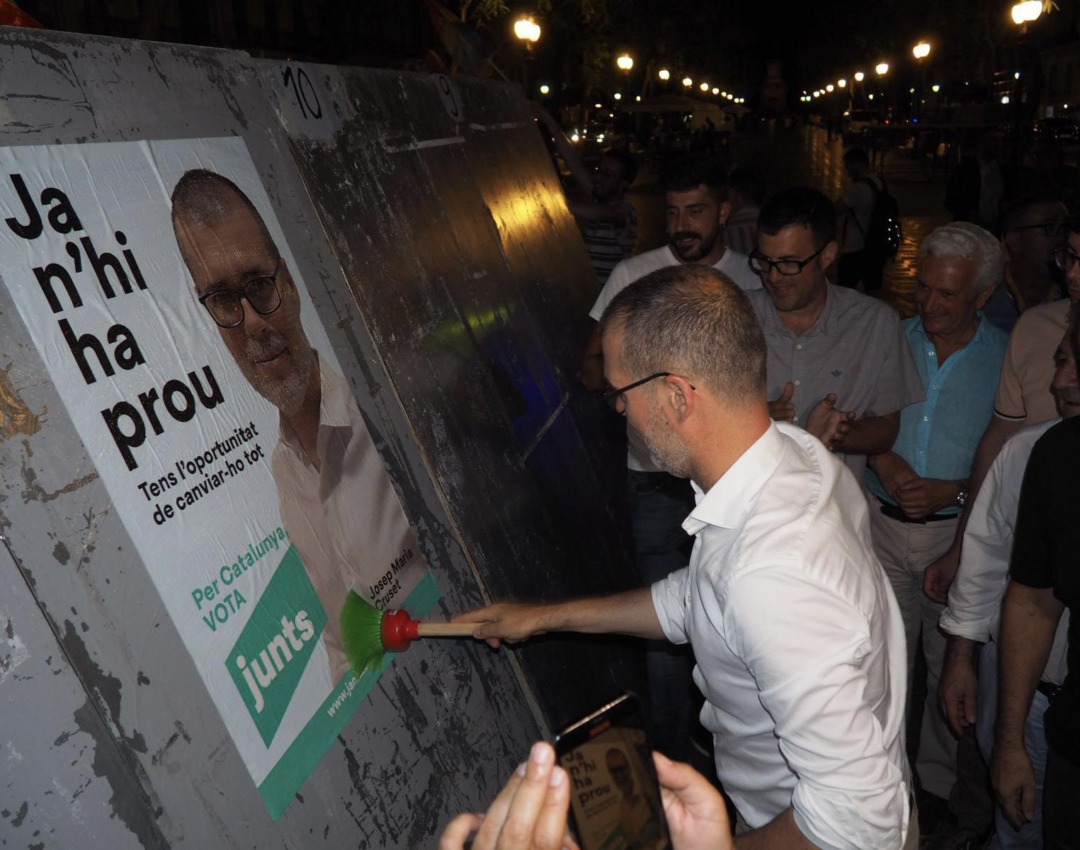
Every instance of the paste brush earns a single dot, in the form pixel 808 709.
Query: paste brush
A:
pixel 367 633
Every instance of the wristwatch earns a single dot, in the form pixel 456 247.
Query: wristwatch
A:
pixel 961 493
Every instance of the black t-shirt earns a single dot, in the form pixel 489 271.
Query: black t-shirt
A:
pixel 1046 554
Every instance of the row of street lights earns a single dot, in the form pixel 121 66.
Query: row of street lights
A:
pixel 527 31
pixel 664 75
pixel 1022 13
pixel 920 51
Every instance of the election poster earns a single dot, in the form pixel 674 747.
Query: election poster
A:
pixel 159 291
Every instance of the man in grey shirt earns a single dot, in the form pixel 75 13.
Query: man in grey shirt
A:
pixel 838 363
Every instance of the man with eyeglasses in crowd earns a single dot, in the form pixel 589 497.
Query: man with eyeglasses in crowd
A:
pixel 1032 228
pixel 798 640
pixel 1023 396
pixel 337 503
pixel 697 211
pixel 839 365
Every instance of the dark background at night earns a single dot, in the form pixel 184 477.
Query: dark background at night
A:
pixel 728 44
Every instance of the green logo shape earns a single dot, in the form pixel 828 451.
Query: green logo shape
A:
pixel 274 648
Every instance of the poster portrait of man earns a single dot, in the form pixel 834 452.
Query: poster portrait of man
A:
pixel 160 294
pixel 337 503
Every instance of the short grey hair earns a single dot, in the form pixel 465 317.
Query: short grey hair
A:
pixel 693 321
pixel 969 242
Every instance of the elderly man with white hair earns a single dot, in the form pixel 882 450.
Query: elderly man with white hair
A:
pixel 918 489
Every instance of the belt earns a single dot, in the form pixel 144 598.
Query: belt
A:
pixel 1049 690
pixel 894 512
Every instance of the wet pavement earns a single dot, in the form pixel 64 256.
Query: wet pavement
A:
pixel 806 156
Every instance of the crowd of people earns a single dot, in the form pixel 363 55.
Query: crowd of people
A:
pixel 821 492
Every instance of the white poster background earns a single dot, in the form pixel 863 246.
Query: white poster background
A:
pixel 126 186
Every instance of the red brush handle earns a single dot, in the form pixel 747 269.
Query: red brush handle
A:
pixel 398 630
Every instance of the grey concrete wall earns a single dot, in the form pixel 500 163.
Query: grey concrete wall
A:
pixel 445 275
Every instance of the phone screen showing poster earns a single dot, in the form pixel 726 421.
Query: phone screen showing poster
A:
pixel 615 797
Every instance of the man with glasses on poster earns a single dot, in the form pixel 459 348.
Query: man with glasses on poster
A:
pixel 336 500
pixel 838 363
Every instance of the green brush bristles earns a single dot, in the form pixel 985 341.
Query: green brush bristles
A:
pixel 361 634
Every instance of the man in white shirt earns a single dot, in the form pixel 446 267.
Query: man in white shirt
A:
pixel 697 210
pixel 969 678
pixel 799 642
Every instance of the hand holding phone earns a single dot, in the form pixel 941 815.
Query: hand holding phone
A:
pixel 614 793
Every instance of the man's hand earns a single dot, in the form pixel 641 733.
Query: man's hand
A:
pixel 828 424
pixel 1014 783
pixel 921 497
pixel 529 813
pixel 959 686
pixel 782 410
pixel 893 472
pixel 696 813
pixel 939 575
pixel 509 621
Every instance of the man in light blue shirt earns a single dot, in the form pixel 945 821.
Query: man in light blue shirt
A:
pixel 919 487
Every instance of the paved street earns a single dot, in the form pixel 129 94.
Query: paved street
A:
pixel 804 155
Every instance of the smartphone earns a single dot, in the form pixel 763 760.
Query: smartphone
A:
pixel 614 794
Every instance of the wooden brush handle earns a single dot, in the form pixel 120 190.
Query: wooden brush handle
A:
pixel 446 629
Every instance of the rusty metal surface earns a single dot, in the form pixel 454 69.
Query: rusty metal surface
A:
pixel 446 214
pixel 110 709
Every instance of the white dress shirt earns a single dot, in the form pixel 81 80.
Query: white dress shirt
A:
pixel 799 645
pixel 974 609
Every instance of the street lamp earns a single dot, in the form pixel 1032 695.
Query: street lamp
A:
pixel 704 87
pixel 625 62
pixel 1026 12
pixel 527 32
pixel 920 51
pixel 664 74
pixel 687 82
pixel 882 69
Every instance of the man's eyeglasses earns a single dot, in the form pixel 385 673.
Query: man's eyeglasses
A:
pixel 1065 259
pixel 261 293
pixel 761 264
pixel 1051 229
pixel 616 398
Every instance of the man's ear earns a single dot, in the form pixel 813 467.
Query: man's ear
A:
pixel 984 296
pixel 679 397
pixel 828 256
